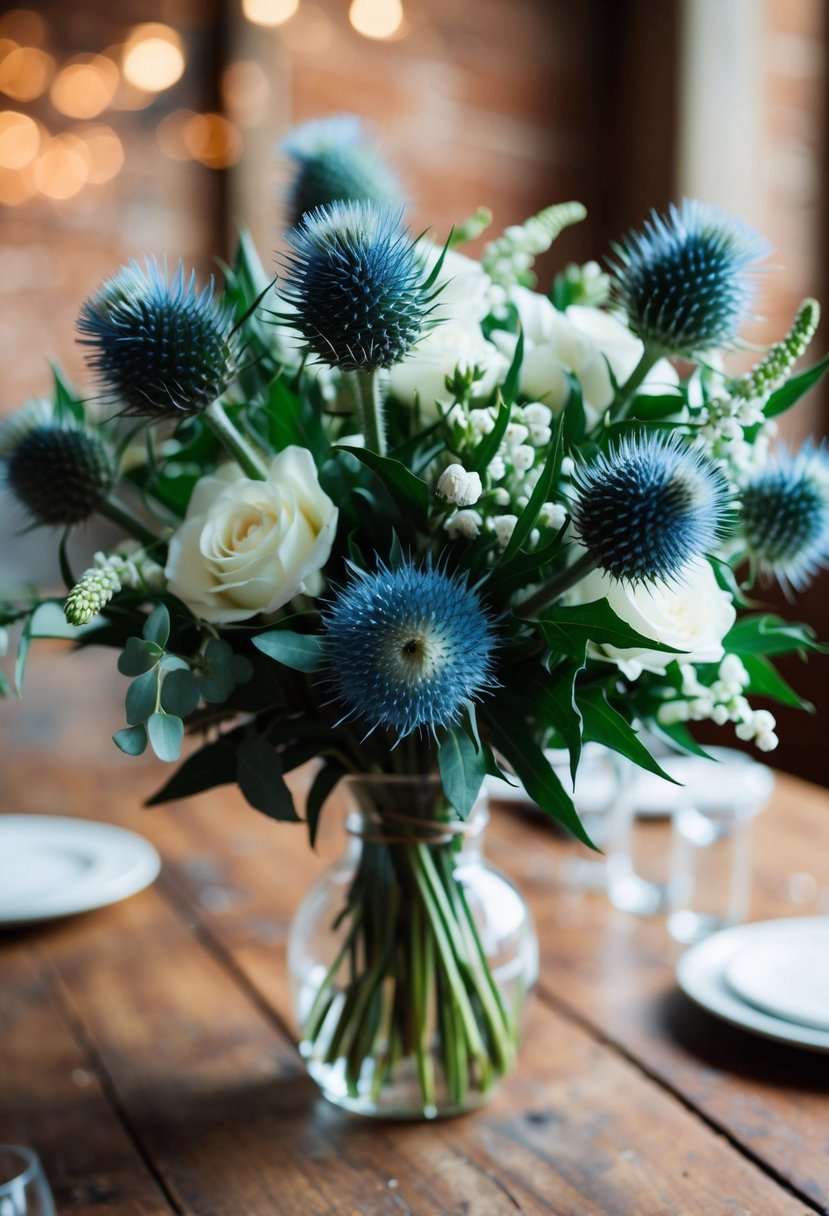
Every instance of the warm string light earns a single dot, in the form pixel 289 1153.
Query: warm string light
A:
pixel 269 12
pixel 376 18
pixel 153 57
pixel 84 87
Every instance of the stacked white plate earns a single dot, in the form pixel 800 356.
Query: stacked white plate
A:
pixel 770 977
pixel 54 866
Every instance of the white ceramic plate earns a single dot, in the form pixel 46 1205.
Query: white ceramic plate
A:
pixel 702 974
pixel 786 972
pixel 54 866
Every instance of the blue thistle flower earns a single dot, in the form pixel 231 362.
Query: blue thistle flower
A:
pixel 406 648
pixel 161 347
pixel 335 162
pixel 686 281
pixel 785 515
pixel 61 475
pixel 647 507
pixel 357 285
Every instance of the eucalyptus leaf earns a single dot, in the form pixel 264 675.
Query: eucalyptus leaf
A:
pixel 138 656
pixel 166 733
pixel 157 626
pixel 301 651
pixel 142 697
pixel 180 692
pixel 132 741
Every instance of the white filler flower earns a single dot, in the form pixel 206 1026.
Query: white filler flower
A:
pixel 457 486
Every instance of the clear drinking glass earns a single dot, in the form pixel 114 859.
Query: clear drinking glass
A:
pixel 24 1190
pixel 597 790
pixel 710 884
pixel 639 846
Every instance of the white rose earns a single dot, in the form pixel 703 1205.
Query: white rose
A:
pixel 583 341
pixel 692 614
pixel 251 546
pixel 464 286
pixel 445 347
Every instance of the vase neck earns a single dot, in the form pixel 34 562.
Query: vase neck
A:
pixel 397 810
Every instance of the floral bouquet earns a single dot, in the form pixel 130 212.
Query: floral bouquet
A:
pixel 401 515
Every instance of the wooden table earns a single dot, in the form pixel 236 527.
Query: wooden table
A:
pixel 146 1049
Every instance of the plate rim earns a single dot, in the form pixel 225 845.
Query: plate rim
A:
pixel 103 891
pixel 722 946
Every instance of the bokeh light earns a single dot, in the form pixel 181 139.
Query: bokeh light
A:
pixel 19 139
pixel 17 186
pixel 25 73
pixel 153 57
pixel 213 140
pixel 376 18
pixel 311 33
pixel 106 152
pixel 245 92
pixel 62 169
pixel 269 12
pixel 171 134
pixel 23 26
pixel 85 86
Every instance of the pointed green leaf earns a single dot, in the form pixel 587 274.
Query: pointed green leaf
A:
pixel 322 788
pixel 409 493
pixel 301 651
pixel 212 765
pixel 766 681
pixel 603 724
pixel 794 388
pixel 567 630
pixel 766 633
pixel 259 773
pixel 487 449
pixel 462 770
pixel 549 475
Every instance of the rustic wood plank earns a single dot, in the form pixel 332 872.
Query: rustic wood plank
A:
pixel 220 1102
pixel 52 1098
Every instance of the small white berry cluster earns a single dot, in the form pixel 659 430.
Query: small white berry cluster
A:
pixel 586 284
pixel 722 423
pixel 110 573
pixel 512 474
pixel 509 260
pixel 721 702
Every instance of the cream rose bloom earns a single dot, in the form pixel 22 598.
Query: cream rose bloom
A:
pixel 451 344
pixel 693 615
pixel 251 546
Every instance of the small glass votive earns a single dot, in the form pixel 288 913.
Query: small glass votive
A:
pixel 710 882
pixel 638 847
pixel 599 781
pixel 24 1190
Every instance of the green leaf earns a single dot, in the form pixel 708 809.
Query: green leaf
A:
pixel 766 633
pixel 549 475
pixel 323 786
pixel 142 697
pixel 180 692
pixel 603 724
pixel 794 388
pixel 23 646
pixel 259 773
pixel 766 681
pixel 487 449
pixel 567 630
pixel 462 770
pixel 554 705
pixel 212 765
pixel 409 493
pixel 166 733
pixel 509 390
pixel 138 656
pixel 68 405
pixel 573 416
pixel 678 737
pixel 301 651
pixel 654 407
pixel 132 741
pixel 157 626
pixel 533 769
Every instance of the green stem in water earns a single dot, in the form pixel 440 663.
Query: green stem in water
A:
pixel 551 591
pixel 370 396
pixel 620 407
pixel 235 442
pixel 114 510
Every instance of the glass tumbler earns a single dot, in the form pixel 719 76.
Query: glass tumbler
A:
pixel 24 1190
pixel 710 882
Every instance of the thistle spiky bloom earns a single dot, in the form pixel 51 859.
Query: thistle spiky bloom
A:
pixel 336 162
pixel 407 648
pixel 644 509
pixel 159 345
pixel 357 285
pixel 775 367
pixel 687 280
pixel 785 516
pixel 60 474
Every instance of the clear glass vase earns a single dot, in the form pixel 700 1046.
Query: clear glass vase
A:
pixel 411 958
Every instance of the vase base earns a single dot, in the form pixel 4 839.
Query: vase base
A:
pixel 400 1099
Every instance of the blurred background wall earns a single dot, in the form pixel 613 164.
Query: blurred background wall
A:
pixel 128 129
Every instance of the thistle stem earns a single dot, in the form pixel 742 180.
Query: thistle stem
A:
pixel 115 511
pixel 234 442
pixel 551 591
pixel 620 407
pixel 370 397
